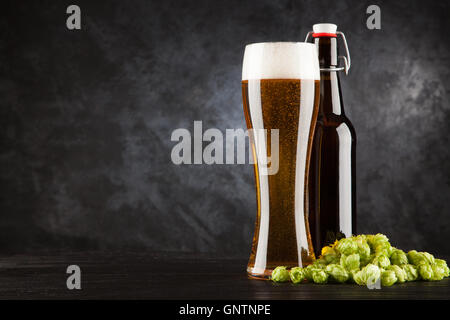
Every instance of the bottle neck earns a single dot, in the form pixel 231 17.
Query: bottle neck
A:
pixel 328 51
pixel 330 88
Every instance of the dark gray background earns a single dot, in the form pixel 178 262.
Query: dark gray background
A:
pixel 86 118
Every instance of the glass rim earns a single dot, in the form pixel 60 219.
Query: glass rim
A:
pixel 280 60
pixel 308 44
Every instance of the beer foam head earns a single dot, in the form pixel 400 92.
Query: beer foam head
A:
pixel 281 60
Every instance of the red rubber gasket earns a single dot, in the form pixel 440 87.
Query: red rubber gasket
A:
pixel 324 34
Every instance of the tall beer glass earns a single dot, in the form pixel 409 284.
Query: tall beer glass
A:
pixel 280 88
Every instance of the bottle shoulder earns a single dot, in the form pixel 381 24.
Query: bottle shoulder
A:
pixel 334 120
pixel 336 123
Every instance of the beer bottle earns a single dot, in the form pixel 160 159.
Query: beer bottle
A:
pixel 332 200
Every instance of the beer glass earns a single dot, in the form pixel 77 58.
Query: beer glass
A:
pixel 280 89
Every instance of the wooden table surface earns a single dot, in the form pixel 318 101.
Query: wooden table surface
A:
pixel 173 276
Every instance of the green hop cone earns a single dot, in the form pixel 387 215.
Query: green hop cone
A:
pixel 350 262
pixel 384 249
pixel 425 271
pixel 297 275
pixel 319 263
pixel 378 260
pixel 388 278
pixel 319 276
pixel 428 257
pixel 347 246
pixel 398 257
pixel 414 257
pixel 438 272
pixel 356 276
pixel 370 274
pixel 381 261
pixel 379 244
pixel 371 258
pixel 363 250
pixel 441 263
pixel 377 240
pixel 337 272
pixel 418 258
pixel 399 273
pixel 308 272
pixel 280 274
pixel 411 272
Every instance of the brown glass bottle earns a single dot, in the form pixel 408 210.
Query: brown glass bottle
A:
pixel 332 189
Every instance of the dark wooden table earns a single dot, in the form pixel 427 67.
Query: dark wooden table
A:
pixel 173 276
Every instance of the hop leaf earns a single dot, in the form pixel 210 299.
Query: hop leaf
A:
pixel 388 278
pixel 399 257
pixel 297 275
pixel 280 274
pixel 337 272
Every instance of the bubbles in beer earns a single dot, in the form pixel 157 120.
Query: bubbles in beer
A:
pixel 281 91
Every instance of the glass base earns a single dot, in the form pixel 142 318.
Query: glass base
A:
pixel 259 274
pixel 266 273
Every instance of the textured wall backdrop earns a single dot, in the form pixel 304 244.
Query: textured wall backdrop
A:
pixel 86 118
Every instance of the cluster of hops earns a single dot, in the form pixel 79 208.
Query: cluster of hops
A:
pixel 364 260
